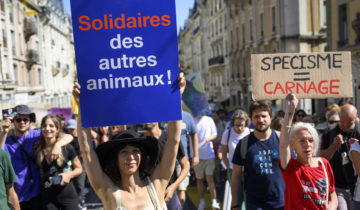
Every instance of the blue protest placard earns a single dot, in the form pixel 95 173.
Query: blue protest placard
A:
pixel 127 61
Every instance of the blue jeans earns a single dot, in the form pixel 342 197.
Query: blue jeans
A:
pixel 174 203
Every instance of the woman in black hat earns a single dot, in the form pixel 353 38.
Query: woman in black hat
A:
pixel 118 170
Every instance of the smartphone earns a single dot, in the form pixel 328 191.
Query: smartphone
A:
pixel 57 180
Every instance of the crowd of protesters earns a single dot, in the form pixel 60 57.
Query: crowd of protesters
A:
pixel 285 160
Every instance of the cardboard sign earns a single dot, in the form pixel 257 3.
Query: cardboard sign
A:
pixel 127 61
pixel 194 96
pixel 308 75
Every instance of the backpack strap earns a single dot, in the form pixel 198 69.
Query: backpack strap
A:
pixel 244 146
pixel 327 181
pixel 23 150
pixel 228 137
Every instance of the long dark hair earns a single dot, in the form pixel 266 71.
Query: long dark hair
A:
pixel 40 146
pixel 111 168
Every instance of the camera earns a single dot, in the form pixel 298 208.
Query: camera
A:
pixel 52 181
pixel 56 180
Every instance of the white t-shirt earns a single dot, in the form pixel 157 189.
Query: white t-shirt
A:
pixel 234 139
pixel 205 128
pixel 356 147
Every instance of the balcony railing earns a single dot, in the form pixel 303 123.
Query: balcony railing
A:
pixel 216 60
pixel 30 28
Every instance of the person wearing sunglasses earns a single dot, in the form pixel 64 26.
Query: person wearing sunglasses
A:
pixel 299 116
pixel 19 145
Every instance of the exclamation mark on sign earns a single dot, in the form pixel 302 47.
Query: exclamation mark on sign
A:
pixel 169 76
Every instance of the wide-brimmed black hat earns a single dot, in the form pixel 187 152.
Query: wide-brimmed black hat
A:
pixel 148 146
pixel 24 110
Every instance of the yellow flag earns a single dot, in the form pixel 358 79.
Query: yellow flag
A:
pixel 74 105
pixel 31 12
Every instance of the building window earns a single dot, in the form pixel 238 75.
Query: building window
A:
pixel 15 74
pixel 237 37
pixel 324 13
pixel 13 43
pixel 238 69
pixel 29 77
pixel 220 21
pixel 8 97
pixel 343 26
pixel 216 26
pixel 262 25
pixel 251 30
pixel 20 44
pixel 2 5
pixel 226 48
pixel 11 15
pixel 244 68
pixel 39 76
pixel 4 38
pixel 231 40
pixel 243 34
pixel 273 19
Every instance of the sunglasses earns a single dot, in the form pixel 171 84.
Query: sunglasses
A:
pixel 300 115
pixel 19 119
pixel 333 121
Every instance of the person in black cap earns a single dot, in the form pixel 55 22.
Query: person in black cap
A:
pixel 118 170
pixel 20 148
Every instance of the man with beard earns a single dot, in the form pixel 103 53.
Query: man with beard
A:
pixel 263 180
pixel 171 198
pixel 335 145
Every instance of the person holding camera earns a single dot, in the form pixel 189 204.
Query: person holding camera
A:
pixel 19 144
pixel 335 147
pixel 56 175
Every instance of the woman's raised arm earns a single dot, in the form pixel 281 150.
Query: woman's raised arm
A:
pixel 285 153
pixel 98 179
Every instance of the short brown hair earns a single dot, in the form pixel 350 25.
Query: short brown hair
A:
pixel 262 105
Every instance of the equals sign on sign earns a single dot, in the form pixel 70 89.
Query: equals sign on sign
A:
pixel 301 74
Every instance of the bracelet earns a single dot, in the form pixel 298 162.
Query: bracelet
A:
pixel 235 206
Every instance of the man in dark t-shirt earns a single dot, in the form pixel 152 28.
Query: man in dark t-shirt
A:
pixel 335 146
pixel 263 180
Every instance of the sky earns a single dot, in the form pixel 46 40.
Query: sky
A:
pixel 182 10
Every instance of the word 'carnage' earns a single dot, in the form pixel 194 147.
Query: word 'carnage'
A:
pixel 303 87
